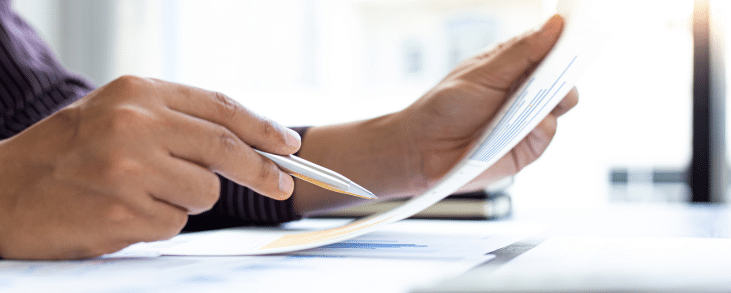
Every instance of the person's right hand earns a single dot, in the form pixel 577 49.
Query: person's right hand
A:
pixel 128 163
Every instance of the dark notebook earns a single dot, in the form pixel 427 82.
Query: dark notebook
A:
pixel 479 205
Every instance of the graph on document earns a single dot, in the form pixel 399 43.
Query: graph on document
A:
pixel 371 245
pixel 405 245
pixel 523 112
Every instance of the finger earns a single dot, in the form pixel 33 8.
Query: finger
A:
pixel 221 151
pixel 184 184
pixel 534 144
pixel 136 218
pixel 567 103
pixel 524 153
pixel 163 221
pixel 510 63
pixel 504 167
pixel 253 129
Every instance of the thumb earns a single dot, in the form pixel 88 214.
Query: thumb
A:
pixel 501 68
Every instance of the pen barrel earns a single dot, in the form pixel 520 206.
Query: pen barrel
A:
pixel 298 166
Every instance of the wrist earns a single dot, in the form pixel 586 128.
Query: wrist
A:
pixel 375 153
pixel 408 137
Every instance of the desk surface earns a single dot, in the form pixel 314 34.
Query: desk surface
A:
pixel 619 248
pixel 384 273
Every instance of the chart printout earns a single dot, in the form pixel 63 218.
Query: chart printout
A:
pixel 552 79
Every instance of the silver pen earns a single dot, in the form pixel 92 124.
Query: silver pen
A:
pixel 318 175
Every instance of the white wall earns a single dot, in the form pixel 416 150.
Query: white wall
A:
pixel 44 17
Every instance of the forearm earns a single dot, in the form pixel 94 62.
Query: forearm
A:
pixel 376 153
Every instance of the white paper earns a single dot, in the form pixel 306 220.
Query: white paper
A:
pixel 417 258
pixel 424 239
pixel 548 84
pixel 288 273
pixel 407 239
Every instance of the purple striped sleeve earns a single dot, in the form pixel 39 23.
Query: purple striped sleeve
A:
pixel 33 84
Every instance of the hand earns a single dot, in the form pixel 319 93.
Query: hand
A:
pixel 446 121
pixel 404 153
pixel 128 163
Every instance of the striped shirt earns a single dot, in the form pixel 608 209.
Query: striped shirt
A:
pixel 34 85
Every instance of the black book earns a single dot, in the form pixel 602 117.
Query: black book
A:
pixel 478 205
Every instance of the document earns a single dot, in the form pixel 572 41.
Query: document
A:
pixel 543 90
pixel 400 257
pixel 406 239
pixel 277 273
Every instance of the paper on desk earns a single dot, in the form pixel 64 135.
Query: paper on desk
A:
pixel 278 273
pixel 546 86
pixel 420 239
pixel 585 264
pixel 400 256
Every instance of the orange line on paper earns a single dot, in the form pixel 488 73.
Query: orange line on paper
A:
pixel 317 236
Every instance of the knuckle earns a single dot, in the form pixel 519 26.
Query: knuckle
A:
pixel 268 172
pixel 519 160
pixel 534 144
pixel 118 214
pixel 174 225
pixel 128 79
pixel 210 191
pixel 129 84
pixel 69 118
pixel 166 225
pixel 268 128
pixel 118 165
pixel 550 130
pixel 227 108
pixel 213 192
pixel 573 98
pixel 118 170
pixel 227 141
pixel 177 224
pixel 127 120
pixel 273 131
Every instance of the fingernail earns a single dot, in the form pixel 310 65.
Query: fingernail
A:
pixel 292 138
pixel 286 183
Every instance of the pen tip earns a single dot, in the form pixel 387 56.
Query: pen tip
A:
pixel 359 190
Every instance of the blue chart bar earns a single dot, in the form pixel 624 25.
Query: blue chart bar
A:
pixel 363 245
pixel 507 131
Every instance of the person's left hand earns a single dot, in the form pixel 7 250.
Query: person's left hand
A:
pixel 445 122
pixel 404 153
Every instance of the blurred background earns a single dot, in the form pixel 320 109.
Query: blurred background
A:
pixel 316 62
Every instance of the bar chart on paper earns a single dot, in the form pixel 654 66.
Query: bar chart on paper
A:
pixel 390 245
pixel 387 244
pixel 520 114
